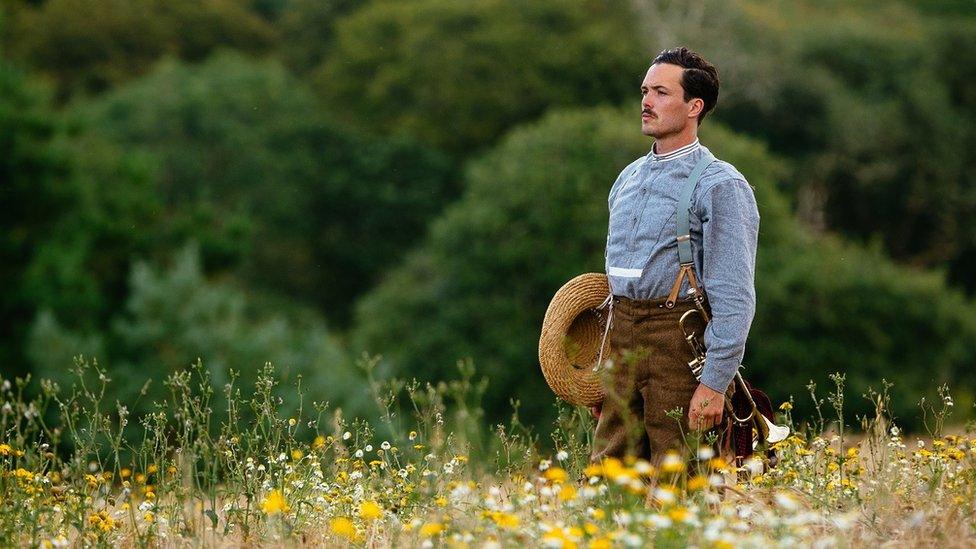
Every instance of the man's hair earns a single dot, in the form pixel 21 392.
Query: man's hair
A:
pixel 699 79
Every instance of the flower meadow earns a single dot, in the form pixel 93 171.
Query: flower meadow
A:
pixel 219 466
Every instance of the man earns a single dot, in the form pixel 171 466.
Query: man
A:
pixel 644 269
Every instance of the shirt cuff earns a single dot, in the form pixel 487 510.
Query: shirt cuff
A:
pixel 718 375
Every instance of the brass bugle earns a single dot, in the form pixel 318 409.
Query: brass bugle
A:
pixel 765 431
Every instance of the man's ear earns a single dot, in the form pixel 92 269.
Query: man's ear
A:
pixel 697 105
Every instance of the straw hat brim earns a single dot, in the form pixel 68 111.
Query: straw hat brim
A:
pixel 570 341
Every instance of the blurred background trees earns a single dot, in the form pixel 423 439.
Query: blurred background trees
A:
pixel 298 181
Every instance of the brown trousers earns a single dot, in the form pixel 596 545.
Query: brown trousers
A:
pixel 649 376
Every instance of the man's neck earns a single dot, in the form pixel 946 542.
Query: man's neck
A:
pixel 671 143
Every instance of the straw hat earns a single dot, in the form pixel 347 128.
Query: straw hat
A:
pixel 570 340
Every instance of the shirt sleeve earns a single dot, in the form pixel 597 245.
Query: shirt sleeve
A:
pixel 730 233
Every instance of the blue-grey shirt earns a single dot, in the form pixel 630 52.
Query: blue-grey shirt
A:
pixel 642 253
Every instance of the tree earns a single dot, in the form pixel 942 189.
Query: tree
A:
pixel 87 46
pixel 457 75
pixel 294 203
pixel 307 29
pixel 36 190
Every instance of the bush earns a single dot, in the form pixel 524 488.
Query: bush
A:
pixel 309 211
pixel 175 317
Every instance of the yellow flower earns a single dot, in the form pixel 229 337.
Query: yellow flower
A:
pixel 672 463
pixel 274 503
pixel 296 454
pixel 318 442
pixel 591 528
pixel 431 529
pixel 697 482
pixel 593 470
pixel 441 501
pixel 567 493
pixel 786 406
pixel 369 510
pixel 102 521
pixel 292 422
pixel 557 535
pixel 505 520
pixel 140 478
pixel 615 470
pixel 679 514
pixel 5 449
pixel 556 474
pixel 152 469
pixel 125 472
pixel 148 517
pixel 343 527
pixel 601 543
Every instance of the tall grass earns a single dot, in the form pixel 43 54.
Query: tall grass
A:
pixel 218 466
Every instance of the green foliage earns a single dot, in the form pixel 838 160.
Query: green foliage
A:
pixel 36 191
pixel 76 211
pixel 308 210
pixel 534 215
pixel 457 75
pixel 90 45
pixel 307 29
pixel 175 316
pixel 832 306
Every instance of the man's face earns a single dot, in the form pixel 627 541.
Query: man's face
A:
pixel 664 111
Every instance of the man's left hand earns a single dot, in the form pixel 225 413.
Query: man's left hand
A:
pixel 705 410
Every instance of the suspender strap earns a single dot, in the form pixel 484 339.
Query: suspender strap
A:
pixel 684 233
pixel 684 207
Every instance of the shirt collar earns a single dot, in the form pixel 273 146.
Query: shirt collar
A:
pixel 677 153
